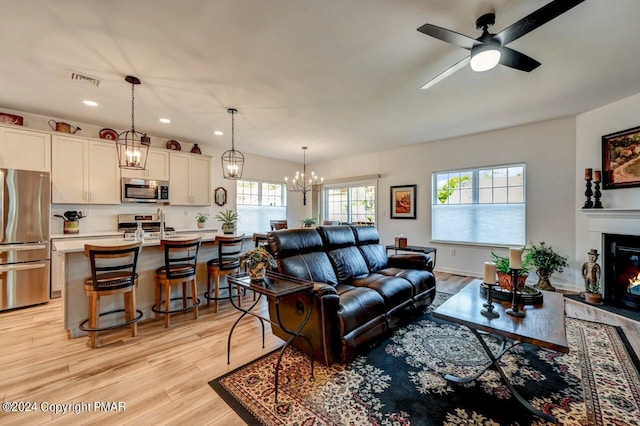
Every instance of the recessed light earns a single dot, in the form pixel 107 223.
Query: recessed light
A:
pixel 90 103
pixel 165 120
pixel 218 133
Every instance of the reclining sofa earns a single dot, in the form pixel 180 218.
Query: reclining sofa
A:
pixel 359 292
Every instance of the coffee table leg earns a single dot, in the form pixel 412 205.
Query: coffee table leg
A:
pixel 494 362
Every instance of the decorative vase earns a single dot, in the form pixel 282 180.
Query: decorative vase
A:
pixel 201 224
pixel 505 281
pixel 228 228
pixel 196 149
pixel 593 298
pixel 257 271
pixel 543 282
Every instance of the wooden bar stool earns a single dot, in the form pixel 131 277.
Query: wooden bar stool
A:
pixel 180 261
pixel 227 262
pixel 110 277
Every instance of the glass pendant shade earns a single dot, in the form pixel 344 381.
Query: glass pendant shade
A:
pixel 132 146
pixel 232 160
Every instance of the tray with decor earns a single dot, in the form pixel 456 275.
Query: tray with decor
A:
pixel 527 296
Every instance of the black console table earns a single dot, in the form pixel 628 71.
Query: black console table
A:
pixel 274 287
pixel 415 249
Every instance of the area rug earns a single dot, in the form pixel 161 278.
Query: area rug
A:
pixel 400 382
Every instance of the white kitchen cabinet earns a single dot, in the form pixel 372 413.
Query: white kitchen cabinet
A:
pixel 25 149
pixel 84 171
pixel 190 177
pixel 157 166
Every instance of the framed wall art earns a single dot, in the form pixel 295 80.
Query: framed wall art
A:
pixel 621 159
pixel 403 202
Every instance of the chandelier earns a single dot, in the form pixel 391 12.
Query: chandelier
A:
pixel 132 146
pixel 299 183
pixel 232 160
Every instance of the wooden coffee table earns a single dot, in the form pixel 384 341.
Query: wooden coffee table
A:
pixel 543 326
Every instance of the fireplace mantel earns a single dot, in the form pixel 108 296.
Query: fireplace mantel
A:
pixel 612 213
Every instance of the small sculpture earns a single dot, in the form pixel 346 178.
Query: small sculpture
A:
pixel 591 273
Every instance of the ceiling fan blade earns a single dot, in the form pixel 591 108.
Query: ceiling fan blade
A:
pixel 446 73
pixel 517 60
pixel 449 36
pixel 536 19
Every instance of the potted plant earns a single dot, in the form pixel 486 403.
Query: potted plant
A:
pixel 201 219
pixel 546 261
pixel 229 219
pixel 504 274
pixel 308 222
pixel 257 261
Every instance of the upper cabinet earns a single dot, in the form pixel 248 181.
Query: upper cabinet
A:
pixel 190 179
pixel 25 149
pixel 84 171
pixel 157 166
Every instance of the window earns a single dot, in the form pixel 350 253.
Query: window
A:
pixel 257 203
pixel 483 206
pixel 350 203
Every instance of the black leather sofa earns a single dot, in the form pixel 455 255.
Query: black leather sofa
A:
pixel 359 292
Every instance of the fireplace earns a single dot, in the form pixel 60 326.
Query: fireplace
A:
pixel 622 270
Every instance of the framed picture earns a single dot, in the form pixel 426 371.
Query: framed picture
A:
pixel 621 159
pixel 403 202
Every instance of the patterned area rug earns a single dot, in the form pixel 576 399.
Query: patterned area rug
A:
pixel 400 382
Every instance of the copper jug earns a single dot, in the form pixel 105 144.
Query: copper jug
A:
pixel 60 126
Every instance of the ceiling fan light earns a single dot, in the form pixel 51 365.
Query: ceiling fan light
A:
pixel 484 57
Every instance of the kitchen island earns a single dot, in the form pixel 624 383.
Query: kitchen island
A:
pixel 71 268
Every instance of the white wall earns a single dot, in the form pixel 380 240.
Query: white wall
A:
pixel 590 127
pixel 547 149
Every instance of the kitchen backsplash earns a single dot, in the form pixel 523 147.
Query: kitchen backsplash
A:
pixel 105 218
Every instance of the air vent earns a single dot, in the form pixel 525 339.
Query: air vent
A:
pixel 86 79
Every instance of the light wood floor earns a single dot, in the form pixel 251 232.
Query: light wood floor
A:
pixel 161 375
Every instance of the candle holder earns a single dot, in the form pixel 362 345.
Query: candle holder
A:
pixel 588 193
pixel 596 195
pixel 489 308
pixel 513 311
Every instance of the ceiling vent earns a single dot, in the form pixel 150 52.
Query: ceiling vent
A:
pixel 86 79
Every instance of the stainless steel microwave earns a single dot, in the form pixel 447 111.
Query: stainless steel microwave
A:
pixel 144 191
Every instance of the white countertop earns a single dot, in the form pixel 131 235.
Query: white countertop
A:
pixel 69 245
pixel 85 235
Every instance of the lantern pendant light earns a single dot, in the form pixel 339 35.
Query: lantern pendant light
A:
pixel 132 146
pixel 232 160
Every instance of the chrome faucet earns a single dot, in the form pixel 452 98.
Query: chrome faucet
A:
pixel 160 214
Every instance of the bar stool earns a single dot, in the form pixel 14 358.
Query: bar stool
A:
pixel 180 261
pixel 108 277
pixel 227 262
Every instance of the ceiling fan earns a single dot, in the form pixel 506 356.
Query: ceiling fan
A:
pixel 489 50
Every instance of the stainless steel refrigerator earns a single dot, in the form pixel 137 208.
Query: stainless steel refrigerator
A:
pixel 25 217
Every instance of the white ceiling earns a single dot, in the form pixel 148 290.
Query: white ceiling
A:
pixel 339 76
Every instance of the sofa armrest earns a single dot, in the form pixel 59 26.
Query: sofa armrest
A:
pixel 419 261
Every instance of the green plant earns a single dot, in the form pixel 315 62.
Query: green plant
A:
pixel 502 264
pixel 227 217
pixel 309 222
pixel 544 258
pixel 259 255
pixel 202 217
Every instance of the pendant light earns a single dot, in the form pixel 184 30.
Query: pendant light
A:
pixel 232 160
pixel 132 146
